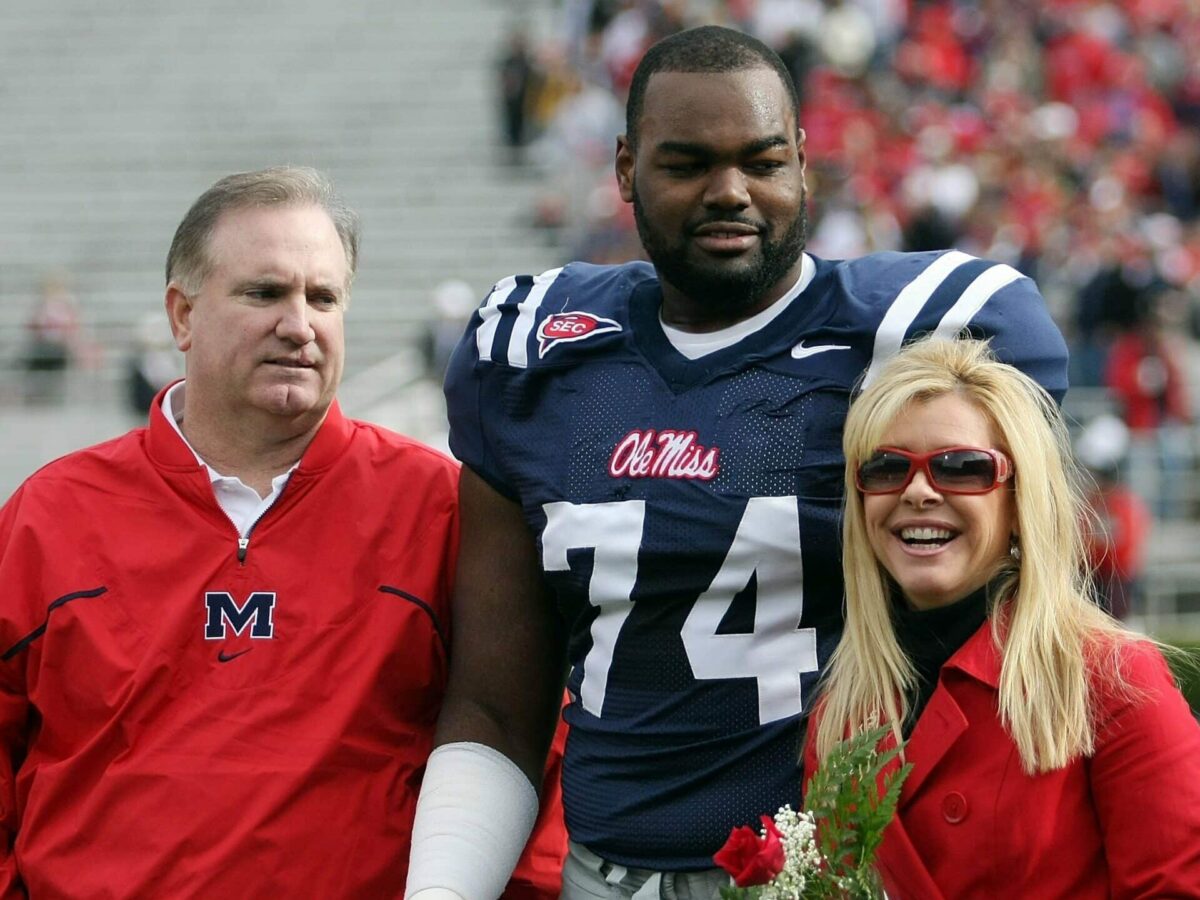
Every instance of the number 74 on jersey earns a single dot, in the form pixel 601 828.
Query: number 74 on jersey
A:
pixel 767 545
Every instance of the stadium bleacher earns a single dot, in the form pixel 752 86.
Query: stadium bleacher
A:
pixel 117 116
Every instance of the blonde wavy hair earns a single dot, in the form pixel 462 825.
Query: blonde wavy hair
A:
pixel 1050 632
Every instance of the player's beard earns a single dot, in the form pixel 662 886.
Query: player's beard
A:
pixel 724 291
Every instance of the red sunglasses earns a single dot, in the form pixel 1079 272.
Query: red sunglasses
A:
pixel 950 470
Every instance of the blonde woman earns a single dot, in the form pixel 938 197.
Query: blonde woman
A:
pixel 1053 755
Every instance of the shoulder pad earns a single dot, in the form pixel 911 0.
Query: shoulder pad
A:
pixel 525 317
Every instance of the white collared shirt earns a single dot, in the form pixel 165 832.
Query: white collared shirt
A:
pixel 237 499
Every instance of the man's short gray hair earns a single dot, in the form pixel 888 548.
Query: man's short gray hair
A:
pixel 188 261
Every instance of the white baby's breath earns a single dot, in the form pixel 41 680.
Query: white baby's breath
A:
pixel 802 859
pixel 850 802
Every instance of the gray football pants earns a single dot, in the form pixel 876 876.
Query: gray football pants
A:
pixel 588 877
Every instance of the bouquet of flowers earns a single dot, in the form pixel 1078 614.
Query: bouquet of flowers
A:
pixel 825 852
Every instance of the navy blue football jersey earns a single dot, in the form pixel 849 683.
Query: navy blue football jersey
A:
pixel 687 515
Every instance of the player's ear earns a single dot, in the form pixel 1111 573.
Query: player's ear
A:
pixel 801 154
pixel 179 314
pixel 624 168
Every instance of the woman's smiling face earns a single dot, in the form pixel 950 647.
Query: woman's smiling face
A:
pixel 937 546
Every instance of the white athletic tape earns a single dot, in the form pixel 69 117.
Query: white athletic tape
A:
pixel 474 815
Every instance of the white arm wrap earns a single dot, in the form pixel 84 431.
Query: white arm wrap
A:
pixel 474 815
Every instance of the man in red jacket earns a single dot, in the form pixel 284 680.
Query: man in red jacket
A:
pixel 223 637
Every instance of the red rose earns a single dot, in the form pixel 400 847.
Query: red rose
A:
pixel 750 859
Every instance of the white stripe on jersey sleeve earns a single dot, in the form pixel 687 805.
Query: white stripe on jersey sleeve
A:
pixel 907 306
pixel 977 293
pixel 518 345
pixel 485 334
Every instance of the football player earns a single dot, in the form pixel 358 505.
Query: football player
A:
pixel 651 490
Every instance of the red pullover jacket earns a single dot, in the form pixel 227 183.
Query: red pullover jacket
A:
pixel 181 716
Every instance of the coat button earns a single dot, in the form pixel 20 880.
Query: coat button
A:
pixel 954 807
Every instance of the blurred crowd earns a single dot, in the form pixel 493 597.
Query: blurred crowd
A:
pixel 59 356
pixel 53 341
pixel 1060 136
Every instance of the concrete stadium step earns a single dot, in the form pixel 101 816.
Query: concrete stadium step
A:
pixel 116 116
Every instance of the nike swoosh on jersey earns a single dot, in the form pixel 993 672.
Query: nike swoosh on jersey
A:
pixel 223 657
pixel 800 351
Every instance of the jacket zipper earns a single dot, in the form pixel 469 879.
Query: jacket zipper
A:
pixel 244 542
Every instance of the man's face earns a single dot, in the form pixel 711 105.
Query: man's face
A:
pixel 264 332
pixel 718 191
